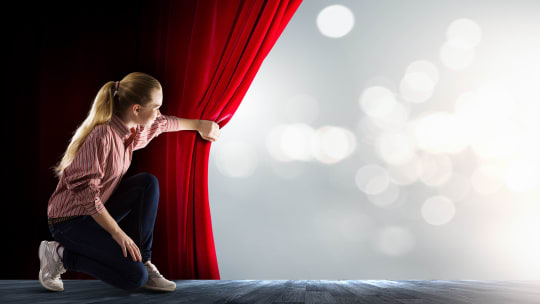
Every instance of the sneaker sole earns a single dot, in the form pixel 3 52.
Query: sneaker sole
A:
pixel 159 289
pixel 41 255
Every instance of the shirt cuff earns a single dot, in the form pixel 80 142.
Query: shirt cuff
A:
pixel 96 207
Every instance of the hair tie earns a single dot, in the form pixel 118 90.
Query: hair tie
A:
pixel 116 87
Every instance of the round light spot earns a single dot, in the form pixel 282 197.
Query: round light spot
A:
pixel 333 144
pixel 377 101
pixel 464 34
pixel 335 21
pixel 297 140
pixel 438 210
pixel 425 67
pixel 456 58
pixel 395 147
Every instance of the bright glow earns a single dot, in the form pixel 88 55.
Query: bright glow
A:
pixel 436 169
pixel 488 115
pixel 333 144
pixel 297 141
pixel 486 179
pixel 377 101
pixel 395 241
pixel 301 108
pixel 372 179
pixel 522 175
pixel 440 132
pixel 456 58
pixel 464 34
pixel 335 21
pixel 236 159
pixel 520 241
pixel 395 147
pixel 438 210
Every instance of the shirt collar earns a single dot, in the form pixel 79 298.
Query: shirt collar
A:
pixel 120 127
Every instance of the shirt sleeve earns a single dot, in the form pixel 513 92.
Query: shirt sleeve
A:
pixel 163 123
pixel 83 176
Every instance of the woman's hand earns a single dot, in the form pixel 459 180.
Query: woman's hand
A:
pixel 209 130
pixel 127 244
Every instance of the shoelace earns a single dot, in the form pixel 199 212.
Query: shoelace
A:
pixel 152 270
pixel 58 267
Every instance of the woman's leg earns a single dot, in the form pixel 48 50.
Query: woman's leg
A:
pixel 91 249
pixel 139 196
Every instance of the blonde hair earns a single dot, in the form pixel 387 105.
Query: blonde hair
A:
pixel 134 88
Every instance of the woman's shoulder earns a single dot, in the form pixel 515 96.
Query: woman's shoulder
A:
pixel 101 131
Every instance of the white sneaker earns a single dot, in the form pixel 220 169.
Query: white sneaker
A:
pixel 156 281
pixel 51 266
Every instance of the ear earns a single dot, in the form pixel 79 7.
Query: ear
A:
pixel 136 108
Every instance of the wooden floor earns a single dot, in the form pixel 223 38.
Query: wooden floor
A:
pixel 281 291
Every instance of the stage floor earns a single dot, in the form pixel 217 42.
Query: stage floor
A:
pixel 282 291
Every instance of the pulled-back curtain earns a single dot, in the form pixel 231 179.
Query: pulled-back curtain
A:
pixel 206 54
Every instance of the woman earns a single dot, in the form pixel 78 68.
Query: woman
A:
pixel 91 196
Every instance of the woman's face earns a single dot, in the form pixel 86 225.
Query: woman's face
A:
pixel 150 112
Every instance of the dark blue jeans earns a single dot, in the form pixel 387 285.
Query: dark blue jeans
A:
pixel 91 249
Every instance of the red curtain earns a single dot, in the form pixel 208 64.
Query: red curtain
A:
pixel 206 54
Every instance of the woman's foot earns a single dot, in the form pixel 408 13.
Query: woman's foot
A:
pixel 51 266
pixel 156 281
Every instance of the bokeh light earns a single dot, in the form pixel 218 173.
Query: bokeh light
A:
pixel 456 58
pixel 438 210
pixel 335 21
pixel 464 34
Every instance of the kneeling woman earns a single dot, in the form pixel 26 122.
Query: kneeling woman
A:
pixel 124 117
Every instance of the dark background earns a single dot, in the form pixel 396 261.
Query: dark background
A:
pixel 59 56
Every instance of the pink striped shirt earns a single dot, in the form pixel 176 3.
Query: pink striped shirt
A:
pixel 99 165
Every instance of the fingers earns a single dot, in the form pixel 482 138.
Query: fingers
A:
pixel 135 253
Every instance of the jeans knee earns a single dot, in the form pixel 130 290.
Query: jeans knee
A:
pixel 137 279
pixel 150 180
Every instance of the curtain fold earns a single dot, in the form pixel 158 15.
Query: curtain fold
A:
pixel 206 54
